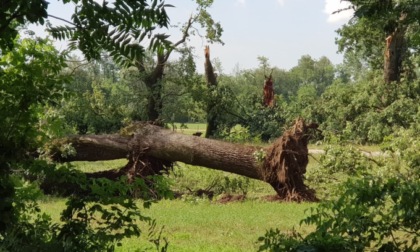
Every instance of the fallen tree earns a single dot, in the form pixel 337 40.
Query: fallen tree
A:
pixel 151 150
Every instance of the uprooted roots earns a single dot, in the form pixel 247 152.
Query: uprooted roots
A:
pixel 286 161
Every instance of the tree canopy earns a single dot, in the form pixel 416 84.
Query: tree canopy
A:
pixel 375 27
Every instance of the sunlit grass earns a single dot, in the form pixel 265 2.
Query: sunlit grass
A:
pixel 188 128
pixel 86 166
pixel 198 224
pixel 203 225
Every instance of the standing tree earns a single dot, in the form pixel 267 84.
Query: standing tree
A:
pixel 121 29
pixel 212 102
pixel 390 24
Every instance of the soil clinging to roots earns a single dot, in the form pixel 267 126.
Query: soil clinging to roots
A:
pixel 286 161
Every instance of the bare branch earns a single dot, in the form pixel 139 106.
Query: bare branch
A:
pixel 61 19
pixel 77 67
pixel 185 34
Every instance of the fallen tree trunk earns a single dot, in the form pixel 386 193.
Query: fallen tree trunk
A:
pixel 151 149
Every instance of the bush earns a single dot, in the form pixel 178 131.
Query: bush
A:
pixel 95 221
pixel 378 209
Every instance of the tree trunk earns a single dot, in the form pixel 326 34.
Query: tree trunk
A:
pixel 281 165
pixel 153 82
pixel 211 78
pixel 167 145
pixel 268 92
pixel 394 53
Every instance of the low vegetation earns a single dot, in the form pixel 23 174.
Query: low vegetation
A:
pixel 188 220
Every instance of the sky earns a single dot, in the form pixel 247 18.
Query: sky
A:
pixel 280 30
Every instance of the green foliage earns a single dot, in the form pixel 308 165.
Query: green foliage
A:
pixel 29 80
pixel 367 111
pixel 213 29
pixel 15 13
pixel 265 122
pixel 319 73
pixel 97 221
pixel 101 100
pixel 277 241
pixel 375 20
pixel 119 28
pixel 31 229
pixel 101 219
pixel 405 146
pixel 303 104
pixel 191 181
pixel 182 90
pixel 336 165
pixel 298 93
pixel 348 160
pixel 377 209
pixel 30 85
pixel 372 212
pixel 239 134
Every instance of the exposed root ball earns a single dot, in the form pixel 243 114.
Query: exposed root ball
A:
pixel 286 161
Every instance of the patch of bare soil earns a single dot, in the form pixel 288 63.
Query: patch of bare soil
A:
pixel 228 198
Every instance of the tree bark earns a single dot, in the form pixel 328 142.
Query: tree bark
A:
pixel 153 82
pixel 281 165
pixel 268 92
pixel 394 54
pixel 153 79
pixel 166 145
pixel 211 78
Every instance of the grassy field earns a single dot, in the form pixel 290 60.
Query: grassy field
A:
pixel 188 128
pixel 198 224
pixel 203 225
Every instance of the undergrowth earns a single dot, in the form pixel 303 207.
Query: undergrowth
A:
pixel 374 207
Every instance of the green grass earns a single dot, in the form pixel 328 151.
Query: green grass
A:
pixel 197 224
pixel 86 166
pixel 188 128
pixel 203 225
pixel 206 226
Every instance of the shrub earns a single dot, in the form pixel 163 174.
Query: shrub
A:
pixel 379 209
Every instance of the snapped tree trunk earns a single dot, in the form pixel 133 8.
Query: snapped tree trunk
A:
pixel 394 54
pixel 268 100
pixel 211 78
pixel 150 149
